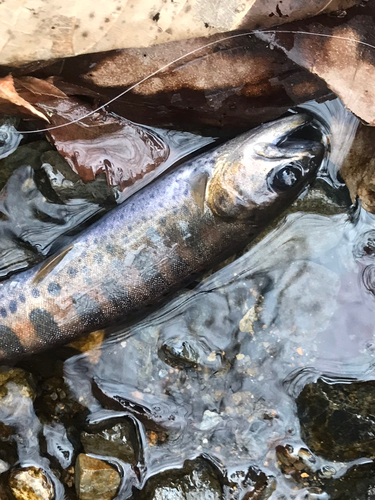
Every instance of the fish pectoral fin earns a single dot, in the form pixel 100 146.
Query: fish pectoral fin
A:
pixel 50 264
pixel 198 189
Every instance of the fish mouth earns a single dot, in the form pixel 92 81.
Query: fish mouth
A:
pixel 276 132
pixel 291 139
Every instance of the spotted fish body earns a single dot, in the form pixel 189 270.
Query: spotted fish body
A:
pixel 158 240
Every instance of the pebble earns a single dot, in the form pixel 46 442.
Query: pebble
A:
pixel 115 441
pixel 30 483
pixel 95 479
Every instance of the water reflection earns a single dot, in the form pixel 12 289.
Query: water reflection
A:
pixel 227 360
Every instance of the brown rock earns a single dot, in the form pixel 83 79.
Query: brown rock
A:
pixel 358 169
pixel 115 440
pixel 19 377
pixel 30 483
pixel 95 479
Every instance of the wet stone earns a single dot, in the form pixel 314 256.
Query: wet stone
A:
pixel 299 464
pixel 3 493
pixel 252 484
pixel 56 402
pixel 30 483
pixel 324 199
pixel 8 446
pixel 338 420
pixel 19 377
pixel 68 185
pixel 358 483
pixel 197 480
pixel 4 466
pixel 16 398
pixel 95 479
pixel 116 441
pixel 28 154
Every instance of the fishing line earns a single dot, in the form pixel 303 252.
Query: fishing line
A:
pixel 166 66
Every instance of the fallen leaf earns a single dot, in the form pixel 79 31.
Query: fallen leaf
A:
pixel 100 144
pixel 236 84
pixel 38 30
pixel 336 55
pixel 11 103
pixel 105 144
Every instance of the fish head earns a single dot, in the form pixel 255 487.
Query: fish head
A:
pixel 264 169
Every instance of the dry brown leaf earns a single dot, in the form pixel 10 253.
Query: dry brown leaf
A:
pixel 33 30
pixel 337 57
pixel 238 83
pixel 11 103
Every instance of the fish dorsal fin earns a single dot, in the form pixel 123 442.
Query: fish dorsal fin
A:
pixel 198 189
pixel 50 264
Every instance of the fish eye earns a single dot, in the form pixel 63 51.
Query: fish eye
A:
pixel 285 178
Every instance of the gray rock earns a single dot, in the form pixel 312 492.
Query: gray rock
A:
pixel 68 185
pixel 95 479
pixel 115 441
pixel 198 480
pixel 28 154
pixel 338 420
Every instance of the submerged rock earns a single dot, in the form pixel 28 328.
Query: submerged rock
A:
pixel 252 484
pixel 56 402
pixel 68 185
pixel 19 377
pixel 116 441
pixel 95 479
pixel 30 483
pixel 157 413
pixel 338 420
pixel 27 154
pixel 358 483
pixel 301 466
pixel 31 220
pixel 197 480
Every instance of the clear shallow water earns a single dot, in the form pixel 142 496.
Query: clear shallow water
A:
pixel 244 344
pixel 218 372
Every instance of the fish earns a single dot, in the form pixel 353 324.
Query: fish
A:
pixel 160 239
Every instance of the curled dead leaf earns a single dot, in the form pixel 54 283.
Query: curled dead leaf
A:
pixel 332 49
pixel 237 83
pixel 12 103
